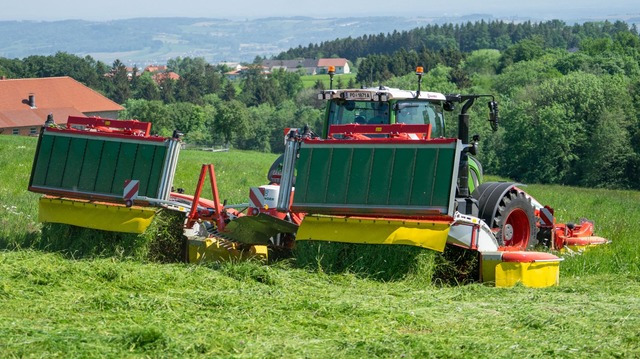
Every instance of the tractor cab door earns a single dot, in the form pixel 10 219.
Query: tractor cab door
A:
pixel 420 112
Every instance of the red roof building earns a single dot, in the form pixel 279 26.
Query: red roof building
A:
pixel 341 65
pixel 158 77
pixel 26 103
pixel 160 73
pixel 156 68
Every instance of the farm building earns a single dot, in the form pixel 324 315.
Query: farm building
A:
pixel 25 104
pixel 309 66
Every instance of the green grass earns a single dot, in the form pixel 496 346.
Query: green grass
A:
pixel 18 207
pixel 236 171
pixel 53 306
pixel 117 305
pixel 161 242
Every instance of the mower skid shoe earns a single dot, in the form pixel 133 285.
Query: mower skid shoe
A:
pixel 216 249
pixel 580 244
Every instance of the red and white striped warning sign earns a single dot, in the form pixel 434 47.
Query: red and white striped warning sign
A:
pixel 264 197
pixel 131 189
pixel 256 197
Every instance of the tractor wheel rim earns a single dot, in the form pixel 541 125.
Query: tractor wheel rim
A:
pixel 516 230
pixel 508 232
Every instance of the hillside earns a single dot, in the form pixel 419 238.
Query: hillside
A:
pixel 155 40
pixel 143 41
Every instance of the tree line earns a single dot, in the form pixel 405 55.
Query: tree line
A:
pixel 569 94
pixel 464 38
pixel 570 112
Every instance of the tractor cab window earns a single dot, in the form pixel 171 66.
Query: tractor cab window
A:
pixel 361 112
pixel 421 113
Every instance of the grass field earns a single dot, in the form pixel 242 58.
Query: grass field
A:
pixel 54 305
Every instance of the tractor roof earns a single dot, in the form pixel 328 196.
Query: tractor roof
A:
pixel 381 93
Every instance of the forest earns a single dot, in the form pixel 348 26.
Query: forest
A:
pixel 568 94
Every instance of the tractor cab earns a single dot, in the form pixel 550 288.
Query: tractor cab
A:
pixel 382 111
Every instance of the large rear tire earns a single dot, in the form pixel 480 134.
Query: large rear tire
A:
pixel 516 221
pixel 508 211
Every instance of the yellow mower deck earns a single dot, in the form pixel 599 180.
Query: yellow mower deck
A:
pixel 420 233
pixel 106 217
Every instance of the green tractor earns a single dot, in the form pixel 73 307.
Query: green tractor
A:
pixel 381 172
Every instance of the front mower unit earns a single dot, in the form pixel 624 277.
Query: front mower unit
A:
pixel 577 237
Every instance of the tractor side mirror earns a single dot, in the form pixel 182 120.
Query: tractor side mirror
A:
pixel 493 115
pixel 448 106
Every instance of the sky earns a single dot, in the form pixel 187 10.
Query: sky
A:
pixel 47 10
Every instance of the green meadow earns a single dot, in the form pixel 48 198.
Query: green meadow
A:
pixel 63 303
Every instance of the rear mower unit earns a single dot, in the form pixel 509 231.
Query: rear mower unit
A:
pixel 381 172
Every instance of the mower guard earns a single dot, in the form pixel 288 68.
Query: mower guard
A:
pixel 258 229
pixel 421 233
pixel 94 215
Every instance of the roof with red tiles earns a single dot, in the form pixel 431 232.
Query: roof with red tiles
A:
pixel 156 68
pixel 61 96
pixel 160 76
pixel 332 62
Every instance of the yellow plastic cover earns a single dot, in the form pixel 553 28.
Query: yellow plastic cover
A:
pixel 530 274
pixel 426 234
pixel 114 218
pixel 220 250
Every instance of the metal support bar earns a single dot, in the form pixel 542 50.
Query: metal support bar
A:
pixel 216 197
pixel 288 172
pixel 191 217
pixel 168 173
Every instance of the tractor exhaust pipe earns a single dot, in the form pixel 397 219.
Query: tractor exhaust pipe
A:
pixel 463 136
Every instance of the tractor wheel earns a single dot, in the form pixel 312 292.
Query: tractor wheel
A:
pixel 275 171
pixel 516 221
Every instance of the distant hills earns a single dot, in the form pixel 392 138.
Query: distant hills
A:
pixel 144 41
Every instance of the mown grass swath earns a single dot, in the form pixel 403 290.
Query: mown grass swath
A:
pixel 113 304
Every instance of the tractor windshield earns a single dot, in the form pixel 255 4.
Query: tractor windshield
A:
pixel 362 112
pixel 421 112
pixel 408 111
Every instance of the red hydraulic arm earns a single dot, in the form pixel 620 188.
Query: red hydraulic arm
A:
pixel 218 216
